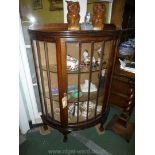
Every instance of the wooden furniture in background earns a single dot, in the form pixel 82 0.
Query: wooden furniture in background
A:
pixel 51 45
pixel 122 95
pixel 123 14
pixel 117 13
pixel 129 15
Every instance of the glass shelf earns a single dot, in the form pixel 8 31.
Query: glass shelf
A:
pixel 83 69
pixel 84 97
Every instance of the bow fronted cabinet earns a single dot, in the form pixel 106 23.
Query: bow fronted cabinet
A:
pixel 74 71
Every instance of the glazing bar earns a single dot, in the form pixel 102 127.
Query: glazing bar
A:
pixel 37 77
pixel 79 79
pixel 108 81
pixel 90 75
pixel 49 79
pixel 41 74
pixel 100 70
pixel 67 81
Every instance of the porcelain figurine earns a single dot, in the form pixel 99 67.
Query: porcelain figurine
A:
pixel 87 22
pixel 72 63
pixel 99 49
pixel 87 18
pixel 91 105
pixel 99 108
pixel 84 114
pixel 85 87
pixel 86 57
pixel 93 60
pixel 73 109
pixel 84 107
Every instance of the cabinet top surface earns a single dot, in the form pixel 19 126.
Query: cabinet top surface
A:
pixel 62 27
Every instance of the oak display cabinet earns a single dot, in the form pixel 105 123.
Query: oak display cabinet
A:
pixel 73 71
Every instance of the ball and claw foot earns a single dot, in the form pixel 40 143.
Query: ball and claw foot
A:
pixel 101 128
pixel 45 127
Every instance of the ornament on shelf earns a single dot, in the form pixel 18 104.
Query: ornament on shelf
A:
pixel 87 23
pixel 84 114
pixel 57 111
pixel 99 108
pixel 72 63
pixel 98 61
pixel 84 108
pixel 86 57
pixel 93 62
pixel 73 109
pixel 75 94
pixel 91 105
pixel 87 18
pixel 85 87
pixel 73 16
pixel 98 15
pixel 99 55
pixel 102 77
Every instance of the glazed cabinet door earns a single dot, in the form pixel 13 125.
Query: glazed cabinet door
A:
pixel 86 66
pixel 73 76
pixel 46 64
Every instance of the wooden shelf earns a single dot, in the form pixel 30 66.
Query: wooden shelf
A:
pixel 119 94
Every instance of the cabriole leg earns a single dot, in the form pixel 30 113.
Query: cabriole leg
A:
pixel 45 127
pixel 101 128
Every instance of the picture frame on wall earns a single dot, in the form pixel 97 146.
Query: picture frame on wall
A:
pixel 37 4
pixel 55 5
